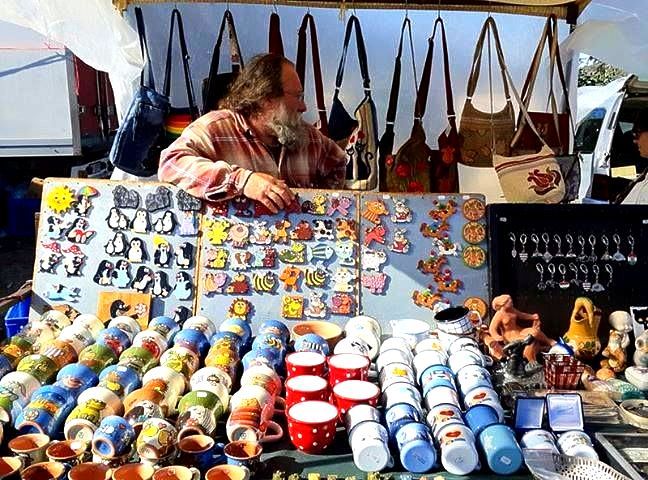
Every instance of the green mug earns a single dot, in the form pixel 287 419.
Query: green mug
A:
pixel 202 398
pixel 97 357
pixel 138 358
pixel 39 366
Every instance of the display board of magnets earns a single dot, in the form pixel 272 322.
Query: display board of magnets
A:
pixel 546 256
pixel 422 252
pixel 299 264
pixel 116 248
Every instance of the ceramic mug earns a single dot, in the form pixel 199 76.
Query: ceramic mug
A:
pixel 68 452
pixel 196 420
pixel 539 439
pixel 113 438
pixel 266 356
pixel 501 450
pixel 473 376
pixel 436 372
pixel 134 471
pixel 140 412
pixel 91 471
pixel 442 415
pixel 465 357
pixel 139 359
pixel 46 411
pixel 77 336
pixel 202 398
pixel 305 387
pixel 30 448
pixel 202 324
pixel 227 472
pixel 264 377
pixel 312 342
pixel 261 395
pixel 461 343
pixel 89 322
pixel 156 440
pixel 16 388
pixel 243 454
pixel 156 391
pixel 120 379
pixel 306 363
pixel 97 357
pixel 227 340
pixel 238 326
pixel 165 326
pixel 39 366
pixel 10 468
pixel 213 375
pixel 127 324
pixel 347 366
pixel 360 413
pixel 412 330
pixel 416 447
pixel 368 442
pixel 350 393
pixel 311 425
pixel 251 422
pixel 174 380
pixel 84 419
pixel 104 397
pixel 226 359
pixel 115 339
pixel 194 340
pixel 400 414
pixel 176 472
pixel 458 453
pixel 44 470
pixel 61 352
pixel 151 340
pixel 200 451
pixel 270 340
pixel 181 359
pixel 430 343
pixel 76 378
pixel 394 355
pixel 55 319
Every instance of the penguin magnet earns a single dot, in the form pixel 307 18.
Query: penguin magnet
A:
pixel 141 222
pixel 163 253
pixel 166 223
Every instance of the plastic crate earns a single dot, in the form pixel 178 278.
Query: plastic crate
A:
pixel 17 317
pixel 562 371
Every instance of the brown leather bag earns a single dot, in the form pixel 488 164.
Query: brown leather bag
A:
pixel 554 127
pixel 485 133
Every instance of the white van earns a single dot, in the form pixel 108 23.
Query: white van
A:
pixel 604 139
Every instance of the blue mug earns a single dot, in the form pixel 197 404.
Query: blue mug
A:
pixel 311 342
pixel 276 327
pixel 238 326
pixel 266 356
pixel 113 438
pixel 416 447
pixel 114 338
pixel 243 453
pixel 227 340
pixel 165 326
pixel 437 371
pixel 194 340
pixel 200 451
pixel 399 415
pixel 270 340
pixel 76 377
pixel 120 379
pixel 48 408
pixel 501 450
pixel 437 382
pixel 480 416
pixel 5 366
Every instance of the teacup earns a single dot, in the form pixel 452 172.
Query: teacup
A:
pixel 176 472
pixel 306 363
pixel 350 393
pixel 243 454
pixel 156 440
pixel 412 330
pixel 442 394
pixel 395 355
pixel 126 324
pixel 91 471
pixel 305 387
pixel 200 451
pixel 228 472
pixel 311 425
pixel 360 413
pixel 396 373
pixel 44 470
pixel 462 358
pixel 347 366
pixel 134 471
pixel 442 415
pixel 400 414
pixel 395 343
pixel 113 438
pixel 68 452
pixel 428 358
pixel 30 447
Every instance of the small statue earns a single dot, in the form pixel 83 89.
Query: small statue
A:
pixel 615 353
pixel 641 352
pixel 504 328
pixel 582 335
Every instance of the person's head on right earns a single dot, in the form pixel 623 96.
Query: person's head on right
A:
pixel 640 132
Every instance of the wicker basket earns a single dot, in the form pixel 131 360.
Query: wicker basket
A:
pixel 562 371
pixel 545 465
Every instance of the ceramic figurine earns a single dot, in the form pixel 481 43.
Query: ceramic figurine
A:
pixel 641 352
pixel 615 355
pixel 504 327
pixel 582 335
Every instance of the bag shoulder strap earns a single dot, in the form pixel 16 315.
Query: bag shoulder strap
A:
pixel 275 42
pixel 362 56
pixel 421 99
pixel 235 51
pixel 395 85
pixel 489 26
pixel 146 77
pixel 300 66
pixel 176 17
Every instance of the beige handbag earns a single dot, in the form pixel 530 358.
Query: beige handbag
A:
pixel 485 133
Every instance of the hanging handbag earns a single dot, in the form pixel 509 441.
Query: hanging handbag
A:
pixel 216 85
pixel 179 117
pixel 532 178
pixel 275 42
pixel 132 150
pixel 485 133
pixel 386 145
pixel 300 66
pixel 356 136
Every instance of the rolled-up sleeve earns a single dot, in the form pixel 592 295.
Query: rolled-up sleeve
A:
pixel 190 163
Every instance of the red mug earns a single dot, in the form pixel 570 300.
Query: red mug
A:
pixel 306 363
pixel 350 393
pixel 347 366
pixel 311 425
pixel 305 387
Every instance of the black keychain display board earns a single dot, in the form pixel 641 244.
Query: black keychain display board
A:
pixel 521 279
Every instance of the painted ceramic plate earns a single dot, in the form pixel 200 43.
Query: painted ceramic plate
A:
pixel 474 209
pixel 477 304
pixel 474 232
pixel 474 256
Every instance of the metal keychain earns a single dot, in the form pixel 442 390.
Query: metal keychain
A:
pixel 587 285
pixel 558 241
pixel 551 268
pixel 535 239
pixel 570 242
pixel 596 286
pixel 608 269
pixel 632 257
pixel 606 243
pixel 524 256
pixel 583 257
pixel 513 251
pixel 546 255
pixel 575 281
pixel 541 284
pixel 564 283
pixel 592 242
pixel 618 256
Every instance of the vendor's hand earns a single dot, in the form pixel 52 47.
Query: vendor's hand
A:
pixel 272 192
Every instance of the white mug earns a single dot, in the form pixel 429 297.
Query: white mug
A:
pixel 393 356
pixel 353 344
pixel 412 330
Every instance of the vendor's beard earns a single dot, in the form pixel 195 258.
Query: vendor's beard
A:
pixel 289 129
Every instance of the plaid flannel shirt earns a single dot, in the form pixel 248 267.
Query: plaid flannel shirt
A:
pixel 215 155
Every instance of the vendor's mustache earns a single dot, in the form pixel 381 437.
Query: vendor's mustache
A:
pixel 289 128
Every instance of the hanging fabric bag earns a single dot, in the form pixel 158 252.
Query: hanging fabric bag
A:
pixel 357 136
pixel 275 42
pixel 216 85
pixel 485 133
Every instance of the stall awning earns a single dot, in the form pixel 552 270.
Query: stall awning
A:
pixel 565 9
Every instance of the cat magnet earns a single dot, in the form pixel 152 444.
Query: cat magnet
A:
pixel 316 307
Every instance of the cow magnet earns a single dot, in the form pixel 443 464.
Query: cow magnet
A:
pixel 323 229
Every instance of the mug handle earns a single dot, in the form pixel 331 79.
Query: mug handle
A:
pixel 481 320
pixel 280 405
pixel 195 473
pixel 278 435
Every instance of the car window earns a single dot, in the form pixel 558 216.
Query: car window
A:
pixel 588 130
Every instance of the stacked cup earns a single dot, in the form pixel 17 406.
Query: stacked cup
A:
pixel 368 438
pixel 402 402
pixel 362 335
